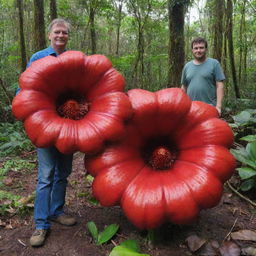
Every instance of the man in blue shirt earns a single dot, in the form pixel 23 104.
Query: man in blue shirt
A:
pixel 202 78
pixel 53 166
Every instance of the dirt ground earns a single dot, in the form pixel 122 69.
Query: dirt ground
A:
pixel 213 225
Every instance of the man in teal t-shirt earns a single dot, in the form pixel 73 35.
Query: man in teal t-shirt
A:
pixel 202 78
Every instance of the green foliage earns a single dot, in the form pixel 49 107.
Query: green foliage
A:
pixel 13 140
pixel 105 235
pixel 16 165
pixel 247 156
pixel 13 204
pixel 244 123
pixel 127 248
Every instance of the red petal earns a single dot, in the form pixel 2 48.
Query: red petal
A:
pixel 111 182
pixel 216 159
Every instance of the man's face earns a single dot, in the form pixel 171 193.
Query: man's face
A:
pixel 199 51
pixel 58 36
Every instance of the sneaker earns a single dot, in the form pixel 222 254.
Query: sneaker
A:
pixel 65 219
pixel 38 237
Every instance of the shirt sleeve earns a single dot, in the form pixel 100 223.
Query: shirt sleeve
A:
pixel 219 72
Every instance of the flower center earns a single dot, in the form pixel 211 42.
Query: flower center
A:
pixel 161 158
pixel 72 106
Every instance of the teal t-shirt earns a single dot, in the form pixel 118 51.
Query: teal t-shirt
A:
pixel 200 80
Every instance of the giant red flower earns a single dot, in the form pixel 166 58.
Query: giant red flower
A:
pixel 72 101
pixel 172 163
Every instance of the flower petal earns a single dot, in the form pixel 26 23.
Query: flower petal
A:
pixel 114 180
pixel 173 105
pixel 143 201
pixel 28 101
pixel 214 158
pixel 212 131
pixel 205 188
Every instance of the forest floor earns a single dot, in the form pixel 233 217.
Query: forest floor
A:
pixel 227 229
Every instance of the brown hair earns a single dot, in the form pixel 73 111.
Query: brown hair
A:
pixel 199 40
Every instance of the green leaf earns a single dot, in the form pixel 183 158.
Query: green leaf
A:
pixel 131 244
pixel 242 118
pixel 246 172
pixel 93 230
pixel 251 149
pixel 243 156
pixel 107 233
pixel 247 185
pixel 249 138
pixel 123 251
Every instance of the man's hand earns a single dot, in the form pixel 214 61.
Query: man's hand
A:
pixel 219 110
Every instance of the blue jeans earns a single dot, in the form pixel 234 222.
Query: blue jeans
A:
pixel 54 168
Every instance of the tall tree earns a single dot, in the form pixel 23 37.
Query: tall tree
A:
pixel 21 36
pixel 118 6
pixel 53 9
pixel 229 13
pixel 141 10
pixel 176 11
pixel 39 27
pixel 218 14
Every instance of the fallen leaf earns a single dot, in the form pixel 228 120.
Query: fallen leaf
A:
pixel 245 234
pixel 230 249
pixel 210 249
pixel 251 251
pixel 194 242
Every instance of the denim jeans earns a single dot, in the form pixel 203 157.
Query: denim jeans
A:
pixel 54 168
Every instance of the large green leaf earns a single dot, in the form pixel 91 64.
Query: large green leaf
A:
pixel 246 172
pixel 123 251
pixel 242 118
pixel 93 230
pixel 251 149
pixel 243 156
pixel 249 138
pixel 131 244
pixel 107 233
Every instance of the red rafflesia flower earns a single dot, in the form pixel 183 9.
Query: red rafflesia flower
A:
pixel 72 101
pixel 172 163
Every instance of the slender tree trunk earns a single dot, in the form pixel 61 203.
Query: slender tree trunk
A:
pixel 53 9
pixel 118 27
pixel 231 46
pixel 176 12
pixel 21 36
pixel 218 29
pixel 39 27
pixel 92 29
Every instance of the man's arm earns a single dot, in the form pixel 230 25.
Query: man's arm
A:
pixel 220 95
pixel 183 87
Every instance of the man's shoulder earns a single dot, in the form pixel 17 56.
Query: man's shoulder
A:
pixel 189 63
pixel 212 60
pixel 43 53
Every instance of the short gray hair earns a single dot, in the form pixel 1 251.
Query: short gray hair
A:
pixel 59 21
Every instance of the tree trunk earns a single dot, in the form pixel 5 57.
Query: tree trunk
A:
pixel 39 28
pixel 118 27
pixel 218 14
pixel 21 36
pixel 92 29
pixel 231 46
pixel 176 12
pixel 53 9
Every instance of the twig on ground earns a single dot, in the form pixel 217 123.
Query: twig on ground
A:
pixel 230 231
pixel 240 195
pixel 113 242
pixel 22 242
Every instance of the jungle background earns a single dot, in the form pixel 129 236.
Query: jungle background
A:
pixel 148 41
